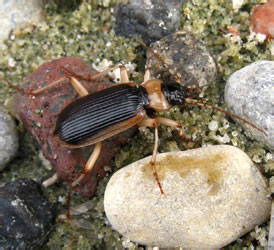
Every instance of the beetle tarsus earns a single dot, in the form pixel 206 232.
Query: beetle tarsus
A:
pixel 156 177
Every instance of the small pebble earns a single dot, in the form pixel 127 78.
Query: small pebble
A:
pixel 186 56
pixel 262 19
pixel 151 19
pixel 26 215
pixel 8 139
pixel 249 93
pixel 212 196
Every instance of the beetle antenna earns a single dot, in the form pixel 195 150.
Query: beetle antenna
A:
pixel 177 79
pixel 195 102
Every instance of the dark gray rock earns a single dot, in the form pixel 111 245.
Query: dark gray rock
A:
pixel 8 139
pixel 249 93
pixel 26 215
pixel 152 19
pixel 186 57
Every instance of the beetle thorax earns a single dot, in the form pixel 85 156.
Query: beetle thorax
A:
pixel 157 100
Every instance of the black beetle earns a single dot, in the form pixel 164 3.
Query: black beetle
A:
pixel 98 116
pixel 95 117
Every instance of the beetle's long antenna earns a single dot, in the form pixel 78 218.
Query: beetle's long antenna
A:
pixel 195 102
pixel 178 80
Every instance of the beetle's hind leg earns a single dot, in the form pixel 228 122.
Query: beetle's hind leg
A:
pixel 91 77
pixel 150 122
pixel 79 88
pixel 37 91
pixel 90 163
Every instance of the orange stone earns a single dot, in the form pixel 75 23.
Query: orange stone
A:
pixel 262 19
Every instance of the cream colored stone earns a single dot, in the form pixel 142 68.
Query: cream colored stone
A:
pixel 213 195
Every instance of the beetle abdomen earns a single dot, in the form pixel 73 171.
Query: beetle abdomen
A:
pixel 89 115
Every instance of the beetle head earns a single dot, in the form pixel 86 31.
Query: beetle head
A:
pixel 174 93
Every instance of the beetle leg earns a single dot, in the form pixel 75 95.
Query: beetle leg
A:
pixel 79 88
pixel 50 181
pixel 174 124
pixel 105 72
pixel 149 122
pixel 91 77
pixel 35 92
pixel 170 123
pixel 90 163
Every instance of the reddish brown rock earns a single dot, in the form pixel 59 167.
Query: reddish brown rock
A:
pixel 262 19
pixel 39 114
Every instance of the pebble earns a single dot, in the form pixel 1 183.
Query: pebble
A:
pixel 8 139
pixel 262 19
pixel 213 196
pixel 151 19
pixel 186 56
pixel 249 93
pixel 30 12
pixel 26 215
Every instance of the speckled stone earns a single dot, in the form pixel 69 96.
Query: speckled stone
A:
pixel 249 93
pixel 8 139
pixel 152 19
pixel 213 195
pixel 186 56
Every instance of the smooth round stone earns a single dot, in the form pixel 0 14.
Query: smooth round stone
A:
pixel 8 139
pixel 212 196
pixel 249 93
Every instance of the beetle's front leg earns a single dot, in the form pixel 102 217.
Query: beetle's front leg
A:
pixel 149 122
pixel 174 124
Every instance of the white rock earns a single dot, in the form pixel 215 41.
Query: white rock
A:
pixel 213 195
pixel 249 93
